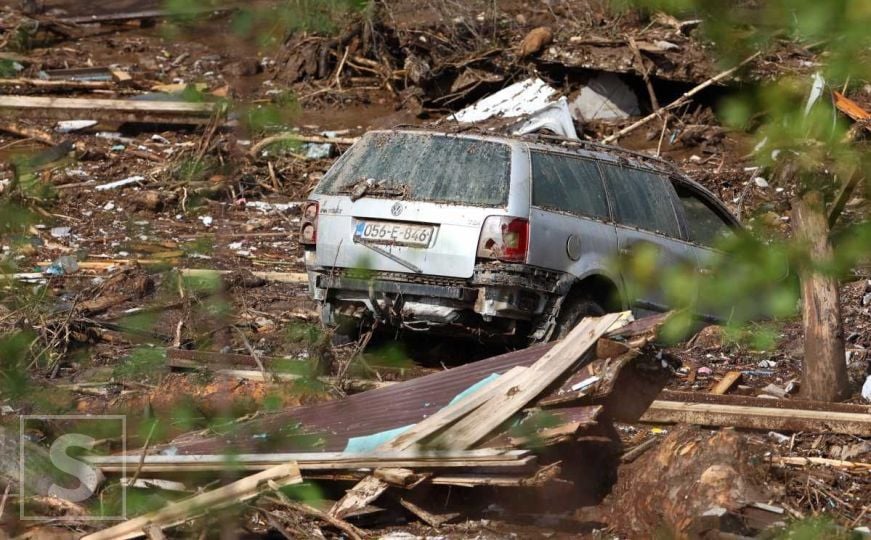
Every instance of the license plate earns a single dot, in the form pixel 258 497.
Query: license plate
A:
pixel 386 232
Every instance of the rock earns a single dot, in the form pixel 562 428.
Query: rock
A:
pixel 243 68
pixel 536 40
pixel 866 389
pixel 709 337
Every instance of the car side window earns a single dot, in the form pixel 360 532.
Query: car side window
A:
pixel 568 184
pixel 705 225
pixel 641 199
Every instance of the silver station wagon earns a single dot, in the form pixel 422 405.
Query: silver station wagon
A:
pixel 495 237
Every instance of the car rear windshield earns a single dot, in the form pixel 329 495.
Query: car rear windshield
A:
pixel 423 167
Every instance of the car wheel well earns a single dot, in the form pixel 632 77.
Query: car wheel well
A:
pixel 599 289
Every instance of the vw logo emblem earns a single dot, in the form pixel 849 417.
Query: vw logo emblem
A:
pixel 396 209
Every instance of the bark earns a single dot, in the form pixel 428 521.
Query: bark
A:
pixel 824 374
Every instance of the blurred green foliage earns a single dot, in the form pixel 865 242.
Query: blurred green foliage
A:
pixel 755 275
pixel 270 24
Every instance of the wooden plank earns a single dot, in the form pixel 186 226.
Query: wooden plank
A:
pixel 762 418
pixel 364 492
pixel 116 110
pixel 451 413
pixel 476 426
pixel 178 512
pixel 798 461
pixel 315 461
pixel 58 84
pixel 278 277
pixel 726 383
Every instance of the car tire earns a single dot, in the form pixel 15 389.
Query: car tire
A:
pixel 572 312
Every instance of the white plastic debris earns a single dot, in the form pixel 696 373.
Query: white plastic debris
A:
pixel 68 126
pixel 555 117
pixel 109 206
pixel 207 220
pixel 60 232
pixel 605 97
pixel 519 99
pixel 760 182
pixel 120 183
pixel 817 87
pixel 866 389
pixel 589 381
pixel 264 206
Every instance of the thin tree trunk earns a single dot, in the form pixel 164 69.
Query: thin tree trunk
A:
pixel 824 374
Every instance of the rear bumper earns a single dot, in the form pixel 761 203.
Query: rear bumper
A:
pixel 495 298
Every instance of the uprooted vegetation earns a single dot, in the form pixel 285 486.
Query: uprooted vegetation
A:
pixel 150 268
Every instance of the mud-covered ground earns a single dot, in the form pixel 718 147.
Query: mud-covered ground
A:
pixel 203 200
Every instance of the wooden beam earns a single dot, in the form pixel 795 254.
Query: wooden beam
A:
pixel 178 512
pixel 762 418
pixel 451 413
pixel 476 426
pixel 116 110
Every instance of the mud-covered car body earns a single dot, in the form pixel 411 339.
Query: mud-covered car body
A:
pixel 494 235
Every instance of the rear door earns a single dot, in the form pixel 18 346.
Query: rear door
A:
pixel 648 235
pixel 570 224
pixel 412 202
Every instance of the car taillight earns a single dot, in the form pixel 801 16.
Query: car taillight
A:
pixel 308 231
pixel 504 238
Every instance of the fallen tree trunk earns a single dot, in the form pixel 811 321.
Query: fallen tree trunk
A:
pixel 824 373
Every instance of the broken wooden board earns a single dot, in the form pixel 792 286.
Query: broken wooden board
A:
pixel 451 413
pixel 178 512
pixel 114 110
pixel 476 426
pixel 762 418
pixel 726 383
pixel 402 404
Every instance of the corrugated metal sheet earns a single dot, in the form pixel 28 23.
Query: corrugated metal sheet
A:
pixel 328 426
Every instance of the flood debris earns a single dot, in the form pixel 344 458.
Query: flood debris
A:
pixel 158 275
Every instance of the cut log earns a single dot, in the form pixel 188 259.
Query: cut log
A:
pixel 824 372
pixel 178 512
pixel 762 418
pixel 115 110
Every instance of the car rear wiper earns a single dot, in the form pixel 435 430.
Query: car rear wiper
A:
pixel 391 256
pixel 370 186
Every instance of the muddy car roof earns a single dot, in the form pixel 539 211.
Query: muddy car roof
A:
pixel 602 152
